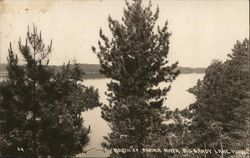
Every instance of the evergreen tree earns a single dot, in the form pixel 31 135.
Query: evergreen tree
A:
pixel 135 58
pixel 220 116
pixel 40 106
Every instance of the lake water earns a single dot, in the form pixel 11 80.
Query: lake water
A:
pixel 178 97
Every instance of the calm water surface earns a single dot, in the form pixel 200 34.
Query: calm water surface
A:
pixel 178 97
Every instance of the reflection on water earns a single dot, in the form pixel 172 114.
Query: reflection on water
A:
pixel 178 97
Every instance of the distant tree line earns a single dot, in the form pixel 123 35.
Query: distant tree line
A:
pixel 92 71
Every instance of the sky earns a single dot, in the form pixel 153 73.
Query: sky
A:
pixel 202 30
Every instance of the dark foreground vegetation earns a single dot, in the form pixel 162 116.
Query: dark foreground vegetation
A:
pixel 41 107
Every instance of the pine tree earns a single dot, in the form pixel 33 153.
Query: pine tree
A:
pixel 41 106
pixel 220 115
pixel 135 58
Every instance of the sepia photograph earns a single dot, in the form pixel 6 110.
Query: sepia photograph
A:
pixel 125 78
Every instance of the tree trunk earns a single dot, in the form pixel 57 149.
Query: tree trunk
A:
pixel 205 146
pixel 221 146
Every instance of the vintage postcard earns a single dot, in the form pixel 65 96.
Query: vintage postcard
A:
pixel 124 78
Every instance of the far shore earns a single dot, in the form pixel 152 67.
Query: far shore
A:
pixel 92 71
